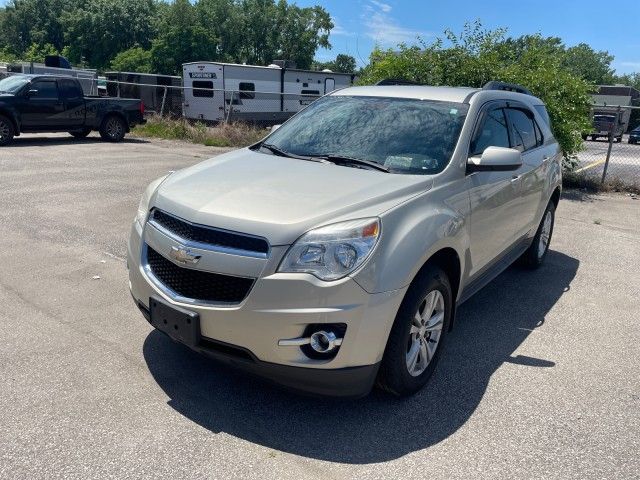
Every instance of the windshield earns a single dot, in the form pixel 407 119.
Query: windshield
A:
pixel 404 135
pixel 13 84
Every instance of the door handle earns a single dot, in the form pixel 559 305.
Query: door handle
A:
pixel 515 177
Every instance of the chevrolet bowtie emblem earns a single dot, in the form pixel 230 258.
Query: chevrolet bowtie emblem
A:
pixel 184 255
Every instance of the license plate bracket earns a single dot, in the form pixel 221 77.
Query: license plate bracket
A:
pixel 180 324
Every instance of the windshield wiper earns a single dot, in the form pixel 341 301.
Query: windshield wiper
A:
pixel 283 153
pixel 353 161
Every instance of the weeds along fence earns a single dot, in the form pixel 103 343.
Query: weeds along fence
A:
pixel 611 151
pixel 211 105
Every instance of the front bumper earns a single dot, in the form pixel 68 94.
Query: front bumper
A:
pixel 281 306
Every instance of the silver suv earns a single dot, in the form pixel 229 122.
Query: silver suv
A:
pixel 331 256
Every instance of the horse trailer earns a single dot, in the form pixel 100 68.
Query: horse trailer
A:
pixel 218 91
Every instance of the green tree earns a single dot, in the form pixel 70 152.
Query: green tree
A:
pixel 102 28
pixel 182 39
pixel 477 56
pixel 585 62
pixel 36 53
pixel 342 63
pixel 136 59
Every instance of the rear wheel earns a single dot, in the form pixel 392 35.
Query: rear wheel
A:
pixel 80 133
pixel 6 131
pixel 417 335
pixel 113 128
pixel 537 251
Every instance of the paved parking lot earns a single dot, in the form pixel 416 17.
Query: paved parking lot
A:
pixel 540 378
pixel 624 163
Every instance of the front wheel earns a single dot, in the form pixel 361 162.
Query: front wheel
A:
pixel 417 335
pixel 6 131
pixel 534 256
pixel 113 129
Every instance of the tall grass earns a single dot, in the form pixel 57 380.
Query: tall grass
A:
pixel 223 135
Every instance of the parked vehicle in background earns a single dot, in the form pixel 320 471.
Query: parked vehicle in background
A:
pixel 333 253
pixel 634 135
pixel 150 89
pixel 50 103
pixel 605 124
pixel 258 94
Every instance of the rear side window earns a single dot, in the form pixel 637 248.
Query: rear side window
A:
pixel 46 89
pixel 523 130
pixel 542 111
pixel 202 84
pixel 70 89
pixel 492 133
pixel 247 90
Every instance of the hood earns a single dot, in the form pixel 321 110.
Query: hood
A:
pixel 280 198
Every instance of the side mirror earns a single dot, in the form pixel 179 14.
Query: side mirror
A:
pixel 275 127
pixel 498 159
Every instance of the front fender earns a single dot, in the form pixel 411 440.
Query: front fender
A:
pixel 412 233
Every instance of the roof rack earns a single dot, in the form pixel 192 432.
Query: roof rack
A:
pixel 509 87
pixel 396 81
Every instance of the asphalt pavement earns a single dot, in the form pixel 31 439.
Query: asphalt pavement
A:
pixel 539 379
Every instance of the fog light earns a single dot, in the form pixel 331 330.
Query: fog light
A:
pixel 323 342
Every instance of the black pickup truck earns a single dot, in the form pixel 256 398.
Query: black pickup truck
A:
pixel 55 103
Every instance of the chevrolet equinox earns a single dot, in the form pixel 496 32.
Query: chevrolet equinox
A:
pixel 331 256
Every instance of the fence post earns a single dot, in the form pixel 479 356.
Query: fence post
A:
pixel 164 98
pixel 230 104
pixel 612 133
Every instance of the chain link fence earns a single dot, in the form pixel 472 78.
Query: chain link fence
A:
pixel 611 151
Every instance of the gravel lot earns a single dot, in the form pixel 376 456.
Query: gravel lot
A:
pixel 540 378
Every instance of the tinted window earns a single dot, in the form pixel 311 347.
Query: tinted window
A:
pixel 492 133
pixel 247 90
pixel 522 129
pixel 406 135
pixel 45 89
pixel 542 110
pixel 70 89
pixel 202 93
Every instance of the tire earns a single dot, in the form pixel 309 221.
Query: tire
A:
pixel 113 128
pixel 80 133
pixel 7 131
pixel 395 374
pixel 618 139
pixel 534 256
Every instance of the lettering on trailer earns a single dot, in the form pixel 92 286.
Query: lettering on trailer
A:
pixel 202 75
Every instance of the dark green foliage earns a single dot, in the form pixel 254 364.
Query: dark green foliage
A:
pixel 108 34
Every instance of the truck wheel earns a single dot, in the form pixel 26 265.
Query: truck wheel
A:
pixel 537 251
pixel 6 131
pixel 113 129
pixel 417 335
pixel 619 139
pixel 80 133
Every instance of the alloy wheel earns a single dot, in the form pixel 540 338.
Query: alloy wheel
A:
pixel 425 333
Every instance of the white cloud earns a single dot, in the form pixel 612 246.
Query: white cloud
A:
pixel 339 30
pixel 385 7
pixel 384 29
pixel 635 65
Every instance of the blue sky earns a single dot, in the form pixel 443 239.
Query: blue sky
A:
pixel 361 24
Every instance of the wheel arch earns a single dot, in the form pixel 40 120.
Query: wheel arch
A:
pixel 115 113
pixel 555 196
pixel 12 118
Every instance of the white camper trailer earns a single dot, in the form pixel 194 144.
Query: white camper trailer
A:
pixel 217 91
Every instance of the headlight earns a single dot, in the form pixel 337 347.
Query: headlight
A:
pixel 143 207
pixel 334 251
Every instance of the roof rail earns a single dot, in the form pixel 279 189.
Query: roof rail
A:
pixel 396 81
pixel 509 87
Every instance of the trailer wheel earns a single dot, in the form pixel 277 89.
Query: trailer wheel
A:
pixel 113 128
pixel 6 131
